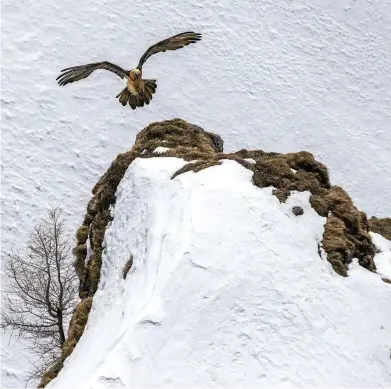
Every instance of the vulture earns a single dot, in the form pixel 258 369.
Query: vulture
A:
pixel 138 91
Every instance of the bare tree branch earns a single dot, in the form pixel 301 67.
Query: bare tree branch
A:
pixel 42 291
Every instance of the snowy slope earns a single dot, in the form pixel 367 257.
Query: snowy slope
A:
pixel 15 363
pixel 272 74
pixel 383 258
pixel 227 288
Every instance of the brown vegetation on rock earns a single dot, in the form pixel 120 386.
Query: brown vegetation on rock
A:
pixel 290 172
pixel 51 374
pixel 76 328
pixel 82 234
pixel 352 240
pixel 195 167
pixel 80 254
pixel 179 135
pixel 381 226
pixel 346 231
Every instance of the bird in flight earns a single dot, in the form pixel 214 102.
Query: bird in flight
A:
pixel 138 90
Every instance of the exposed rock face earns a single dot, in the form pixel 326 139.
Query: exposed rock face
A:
pixel 346 233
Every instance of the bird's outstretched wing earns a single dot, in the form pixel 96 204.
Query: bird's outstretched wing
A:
pixel 173 43
pixel 77 73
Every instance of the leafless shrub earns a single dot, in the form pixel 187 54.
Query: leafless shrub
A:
pixel 41 291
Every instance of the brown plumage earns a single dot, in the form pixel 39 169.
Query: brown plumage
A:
pixel 137 91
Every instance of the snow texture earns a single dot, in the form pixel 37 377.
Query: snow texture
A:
pixel 227 289
pixel 383 258
pixel 276 75
pixel 251 160
pixel 161 150
pixel 15 363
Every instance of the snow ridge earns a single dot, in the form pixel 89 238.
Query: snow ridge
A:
pixel 227 287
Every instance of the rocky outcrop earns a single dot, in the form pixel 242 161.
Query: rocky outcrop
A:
pixel 184 140
pixel 346 233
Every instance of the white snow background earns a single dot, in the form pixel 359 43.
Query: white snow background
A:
pixel 276 75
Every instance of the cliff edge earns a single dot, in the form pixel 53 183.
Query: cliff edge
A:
pixel 249 268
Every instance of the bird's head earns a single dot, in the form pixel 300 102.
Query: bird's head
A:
pixel 135 74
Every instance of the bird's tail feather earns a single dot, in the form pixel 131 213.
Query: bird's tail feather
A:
pixel 125 97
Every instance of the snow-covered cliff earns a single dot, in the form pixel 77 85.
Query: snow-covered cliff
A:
pixel 273 74
pixel 227 285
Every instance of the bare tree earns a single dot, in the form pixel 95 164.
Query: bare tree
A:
pixel 42 291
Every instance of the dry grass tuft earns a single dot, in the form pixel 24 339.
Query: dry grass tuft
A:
pixel 289 172
pixel 381 226
pixel 273 171
pixel 357 242
pixel 80 253
pixel 195 167
pixel 76 326
pixel 339 250
pixel 305 161
pixel 177 133
pixel 82 234
pixel 281 194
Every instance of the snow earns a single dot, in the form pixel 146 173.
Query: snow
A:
pixel 275 75
pixel 380 242
pixel 251 160
pixel 227 289
pixel 383 258
pixel 15 363
pixel 161 150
